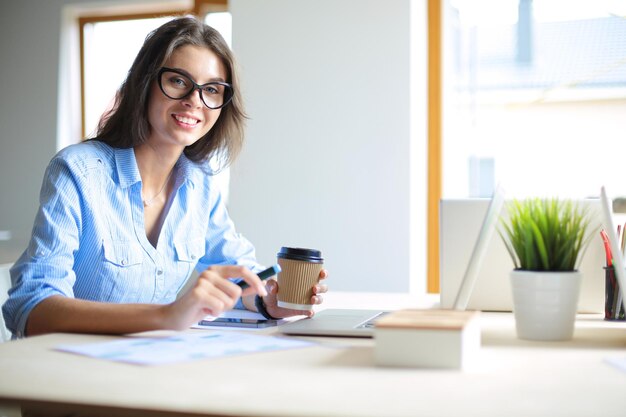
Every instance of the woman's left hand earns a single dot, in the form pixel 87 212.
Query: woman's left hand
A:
pixel 279 312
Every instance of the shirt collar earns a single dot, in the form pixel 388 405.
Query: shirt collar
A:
pixel 128 171
pixel 186 170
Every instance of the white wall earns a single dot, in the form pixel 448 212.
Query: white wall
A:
pixel 327 160
pixel 29 45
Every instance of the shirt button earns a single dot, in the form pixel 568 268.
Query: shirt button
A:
pixel 159 271
pixel 193 257
pixel 123 262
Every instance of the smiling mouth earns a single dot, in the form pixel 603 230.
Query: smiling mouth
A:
pixel 186 120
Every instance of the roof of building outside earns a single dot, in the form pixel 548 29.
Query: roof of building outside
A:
pixel 580 54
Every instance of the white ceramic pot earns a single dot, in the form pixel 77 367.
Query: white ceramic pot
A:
pixel 545 303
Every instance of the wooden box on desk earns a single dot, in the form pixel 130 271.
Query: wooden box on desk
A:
pixel 427 338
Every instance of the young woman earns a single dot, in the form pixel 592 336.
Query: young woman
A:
pixel 125 217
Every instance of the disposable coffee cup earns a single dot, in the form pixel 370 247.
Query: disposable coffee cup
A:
pixel 300 271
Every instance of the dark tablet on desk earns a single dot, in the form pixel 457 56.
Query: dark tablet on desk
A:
pixel 238 322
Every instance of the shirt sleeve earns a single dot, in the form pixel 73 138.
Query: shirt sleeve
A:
pixel 45 268
pixel 225 246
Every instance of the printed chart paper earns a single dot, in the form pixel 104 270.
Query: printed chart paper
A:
pixel 183 347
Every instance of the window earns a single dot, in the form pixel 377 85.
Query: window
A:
pixel 109 50
pixel 534 97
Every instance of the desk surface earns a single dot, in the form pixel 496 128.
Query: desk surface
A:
pixel 336 377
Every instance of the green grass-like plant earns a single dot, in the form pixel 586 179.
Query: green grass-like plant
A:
pixel 546 234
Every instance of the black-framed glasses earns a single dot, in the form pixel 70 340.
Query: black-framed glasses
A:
pixel 177 85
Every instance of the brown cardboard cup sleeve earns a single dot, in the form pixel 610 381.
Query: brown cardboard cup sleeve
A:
pixel 300 270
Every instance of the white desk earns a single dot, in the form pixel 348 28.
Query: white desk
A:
pixel 335 378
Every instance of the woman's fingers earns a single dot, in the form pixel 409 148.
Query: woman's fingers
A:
pixel 237 271
pixel 317 299
pixel 323 274
pixel 320 289
pixel 216 293
pixel 213 293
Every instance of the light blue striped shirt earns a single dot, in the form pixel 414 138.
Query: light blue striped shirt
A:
pixel 89 239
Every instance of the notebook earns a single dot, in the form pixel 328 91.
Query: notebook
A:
pixel 360 323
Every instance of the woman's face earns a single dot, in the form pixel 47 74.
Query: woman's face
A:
pixel 181 123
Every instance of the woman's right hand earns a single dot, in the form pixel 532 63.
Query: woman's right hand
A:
pixel 212 294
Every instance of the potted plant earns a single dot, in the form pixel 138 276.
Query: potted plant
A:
pixel 546 239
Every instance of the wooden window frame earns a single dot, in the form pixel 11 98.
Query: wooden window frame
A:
pixel 204 7
pixel 434 143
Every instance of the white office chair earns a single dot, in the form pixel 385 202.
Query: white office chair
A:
pixel 5 284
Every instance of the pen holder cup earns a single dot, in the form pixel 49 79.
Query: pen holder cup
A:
pixel 613 296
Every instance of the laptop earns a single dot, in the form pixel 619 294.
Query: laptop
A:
pixel 360 323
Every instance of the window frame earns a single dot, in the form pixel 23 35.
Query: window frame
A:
pixel 434 188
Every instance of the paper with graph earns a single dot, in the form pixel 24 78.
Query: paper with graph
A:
pixel 182 347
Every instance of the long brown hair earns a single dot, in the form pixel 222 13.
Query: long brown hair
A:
pixel 126 124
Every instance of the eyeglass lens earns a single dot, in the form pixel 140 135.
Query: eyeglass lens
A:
pixel 178 86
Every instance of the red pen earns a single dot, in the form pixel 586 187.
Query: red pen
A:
pixel 607 248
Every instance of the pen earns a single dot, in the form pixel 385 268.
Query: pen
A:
pixel 607 247
pixel 265 274
pixel 620 293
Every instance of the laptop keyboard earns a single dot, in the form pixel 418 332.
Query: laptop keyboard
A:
pixel 369 324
